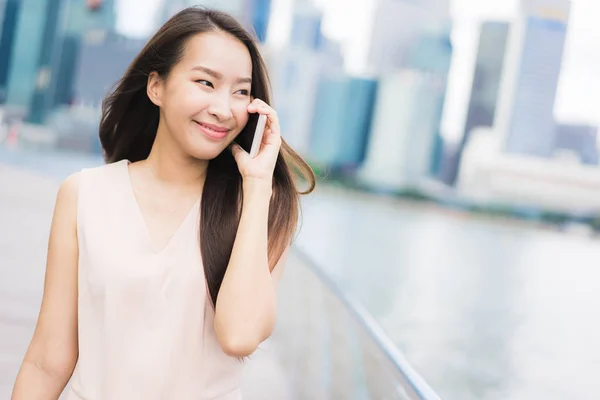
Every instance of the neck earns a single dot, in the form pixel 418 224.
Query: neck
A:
pixel 170 166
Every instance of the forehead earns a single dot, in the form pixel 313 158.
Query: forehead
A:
pixel 220 52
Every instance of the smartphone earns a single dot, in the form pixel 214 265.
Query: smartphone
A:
pixel 258 135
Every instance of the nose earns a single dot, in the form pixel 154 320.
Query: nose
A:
pixel 220 106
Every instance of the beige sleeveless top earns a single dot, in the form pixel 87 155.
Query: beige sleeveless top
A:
pixel 145 318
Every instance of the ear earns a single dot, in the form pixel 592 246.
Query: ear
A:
pixel 154 88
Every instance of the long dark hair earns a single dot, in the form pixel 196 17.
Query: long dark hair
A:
pixel 130 121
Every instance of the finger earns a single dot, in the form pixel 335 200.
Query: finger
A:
pixel 271 138
pixel 256 104
pixel 259 106
pixel 238 152
pixel 267 135
pixel 273 127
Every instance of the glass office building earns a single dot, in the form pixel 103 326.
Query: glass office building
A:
pixel 342 120
pixel 33 51
pixel 9 11
pixel 525 115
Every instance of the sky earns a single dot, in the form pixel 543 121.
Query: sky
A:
pixel 578 98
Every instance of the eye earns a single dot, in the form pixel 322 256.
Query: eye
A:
pixel 205 83
pixel 244 92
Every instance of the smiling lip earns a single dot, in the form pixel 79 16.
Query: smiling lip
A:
pixel 212 131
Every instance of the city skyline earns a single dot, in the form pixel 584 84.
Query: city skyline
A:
pixel 578 93
pixel 525 118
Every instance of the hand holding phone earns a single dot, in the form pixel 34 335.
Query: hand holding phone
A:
pixel 258 135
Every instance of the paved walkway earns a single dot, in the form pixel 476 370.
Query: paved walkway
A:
pixel 26 204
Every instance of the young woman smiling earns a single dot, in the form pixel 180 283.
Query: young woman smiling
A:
pixel 163 263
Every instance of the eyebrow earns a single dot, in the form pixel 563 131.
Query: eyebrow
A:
pixel 218 75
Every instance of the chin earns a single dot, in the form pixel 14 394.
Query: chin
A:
pixel 203 149
pixel 206 152
pixel 203 155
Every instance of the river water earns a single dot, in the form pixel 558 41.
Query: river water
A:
pixel 482 308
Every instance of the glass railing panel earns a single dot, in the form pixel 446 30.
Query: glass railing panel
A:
pixel 330 348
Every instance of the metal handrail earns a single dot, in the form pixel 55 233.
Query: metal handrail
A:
pixel 373 329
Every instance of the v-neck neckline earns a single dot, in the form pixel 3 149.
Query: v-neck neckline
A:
pixel 142 221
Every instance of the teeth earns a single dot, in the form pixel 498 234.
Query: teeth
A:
pixel 210 129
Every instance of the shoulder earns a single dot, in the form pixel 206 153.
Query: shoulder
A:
pixel 65 208
pixel 71 188
pixel 102 174
pixel 104 169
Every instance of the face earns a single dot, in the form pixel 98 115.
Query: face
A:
pixel 204 100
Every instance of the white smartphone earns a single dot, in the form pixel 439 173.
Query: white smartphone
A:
pixel 258 135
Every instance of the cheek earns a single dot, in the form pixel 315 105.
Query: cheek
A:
pixel 240 113
pixel 184 100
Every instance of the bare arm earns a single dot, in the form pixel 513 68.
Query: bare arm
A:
pixel 53 351
pixel 246 307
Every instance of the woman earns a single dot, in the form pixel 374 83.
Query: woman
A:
pixel 162 264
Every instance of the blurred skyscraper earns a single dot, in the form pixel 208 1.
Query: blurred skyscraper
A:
pixel 295 72
pixel 9 10
pixel 306 26
pixel 35 50
pixel 44 52
pixel 484 93
pixel 83 24
pixel 66 69
pixel 405 140
pixel 258 13
pixel 171 8
pixel 82 17
pixel 342 121
pixel 2 9
pixel 410 49
pixel 396 25
pixel 488 73
pixel 237 8
pixel 579 139
pixel 102 62
pixel 253 14
pixel 525 112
